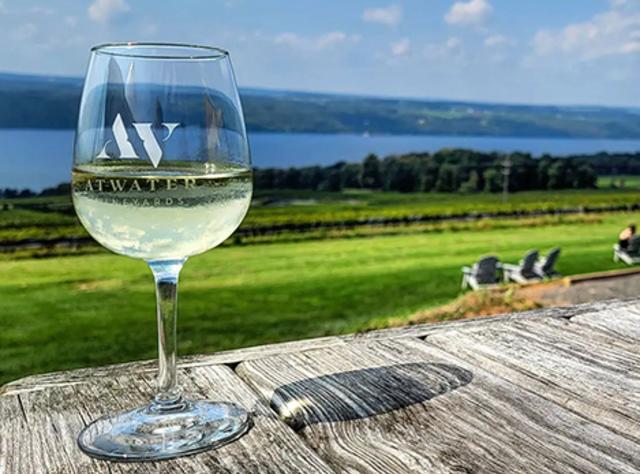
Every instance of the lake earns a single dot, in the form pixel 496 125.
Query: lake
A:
pixel 41 158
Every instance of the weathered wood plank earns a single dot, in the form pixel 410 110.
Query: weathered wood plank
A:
pixel 403 405
pixel 423 330
pixel 232 357
pixel 621 323
pixel 579 368
pixel 38 429
pixel 583 334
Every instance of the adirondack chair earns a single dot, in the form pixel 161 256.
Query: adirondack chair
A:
pixel 630 255
pixel 482 274
pixel 545 267
pixel 525 271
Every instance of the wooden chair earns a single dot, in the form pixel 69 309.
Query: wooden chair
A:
pixel 545 267
pixel 525 271
pixel 483 274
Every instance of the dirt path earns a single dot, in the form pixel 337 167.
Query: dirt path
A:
pixel 585 288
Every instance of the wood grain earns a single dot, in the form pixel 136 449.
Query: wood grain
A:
pixel 233 357
pixel 622 323
pixel 402 405
pixel 546 391
pixel 587 371
pixel 38 429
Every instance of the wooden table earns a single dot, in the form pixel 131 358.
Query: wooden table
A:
pixel 549 391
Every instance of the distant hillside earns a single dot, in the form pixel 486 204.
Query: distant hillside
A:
pixel 52 102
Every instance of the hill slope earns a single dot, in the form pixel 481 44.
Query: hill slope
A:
pixel 52 102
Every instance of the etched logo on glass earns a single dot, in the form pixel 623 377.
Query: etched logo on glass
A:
pixel 145 133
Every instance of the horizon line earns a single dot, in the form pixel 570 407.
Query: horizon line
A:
pixel 374 96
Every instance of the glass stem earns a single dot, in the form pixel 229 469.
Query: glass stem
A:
pixel 165 273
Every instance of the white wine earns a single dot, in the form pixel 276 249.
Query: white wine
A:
pixel 161 216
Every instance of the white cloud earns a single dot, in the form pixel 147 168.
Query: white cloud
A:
pixel 103 10
pixel 472 12
pixel 498 48
pixel 400 47
pixel 316 43
pixel 451 48
pixel 390 16
pixel 495 41
pixel 290 39
pixel 614 32
pixel 331 39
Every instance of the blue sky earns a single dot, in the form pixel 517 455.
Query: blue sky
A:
pixel 526 51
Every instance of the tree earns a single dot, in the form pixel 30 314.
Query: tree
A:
pixel 542 172
pixel 585 177
pixel 333 181
pixel 449 170
pixel 311 177
pixel 371 177
pixel 10 193
pixel 351 174
pixel 292 178
pixel 264 178
pixel 447 178
pixel 492 180
pixel 427 170
pixel 558 178
pixel 402 176
pixel 59 190
pixel 26 193
pixel 523 173
pixel 472 184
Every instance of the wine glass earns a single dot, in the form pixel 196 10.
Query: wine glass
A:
pixel 161 172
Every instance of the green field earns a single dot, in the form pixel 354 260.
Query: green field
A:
pixel 619 181
pixel 73 311
pixel 48 218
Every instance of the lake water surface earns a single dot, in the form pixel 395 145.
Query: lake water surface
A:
pixel 41 158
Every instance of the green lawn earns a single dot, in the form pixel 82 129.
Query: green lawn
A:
pixel 74 311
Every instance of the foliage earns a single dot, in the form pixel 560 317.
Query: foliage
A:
pixel 449 170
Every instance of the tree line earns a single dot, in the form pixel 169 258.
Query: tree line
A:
pixel 12 193
pixel 609 164
pixel 449 170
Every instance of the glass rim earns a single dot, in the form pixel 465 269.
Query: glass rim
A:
pixel 198 51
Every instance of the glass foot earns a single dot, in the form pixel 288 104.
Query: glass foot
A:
pixel 151 433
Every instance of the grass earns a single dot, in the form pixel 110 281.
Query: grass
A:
pixel 275 207
pixel 49 218
pixel 619 181
pixel 73 311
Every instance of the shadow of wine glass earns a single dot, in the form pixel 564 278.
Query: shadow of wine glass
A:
pixel 364 393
